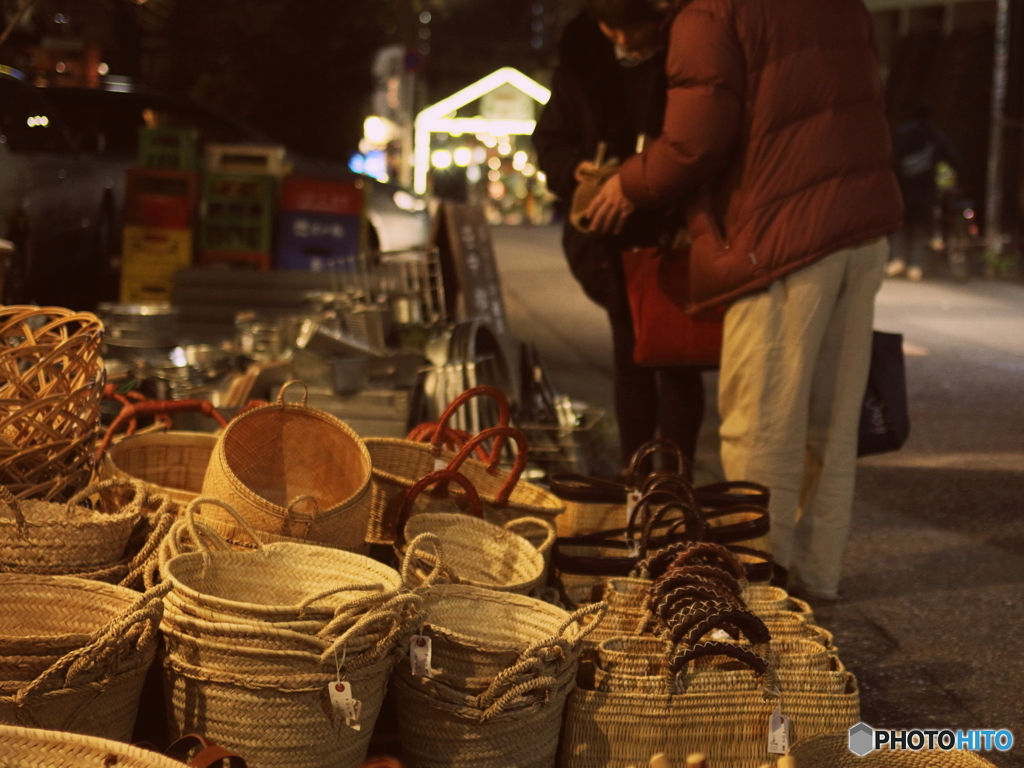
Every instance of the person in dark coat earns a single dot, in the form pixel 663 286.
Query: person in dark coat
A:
pixel 919 147
pixel 614 92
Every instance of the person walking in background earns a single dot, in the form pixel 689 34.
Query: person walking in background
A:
pixel 775 133
pixel 609 87
pixel 918 148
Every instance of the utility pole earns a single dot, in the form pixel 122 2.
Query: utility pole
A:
pixel 994 179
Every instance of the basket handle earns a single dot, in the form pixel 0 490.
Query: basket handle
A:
pixel 286 385
pixel 155 408
pixel 290 517
pixel 193 530
pixel 534 523
pixel 452 439
pixel 695 524
pixel 476 508
pixel 11 501
pixel 660 445
pixel 333 591
pixel 409 561
pixel 503 418
pixel 670 481
pixel 522 456
pixel 386 614
pixel 140 494
pixel 207 756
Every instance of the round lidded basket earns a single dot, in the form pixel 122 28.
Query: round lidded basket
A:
pixel 293 471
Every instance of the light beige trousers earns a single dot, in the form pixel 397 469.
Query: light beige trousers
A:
pixel 794 368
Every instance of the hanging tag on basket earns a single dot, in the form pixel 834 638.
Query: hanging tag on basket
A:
pixel 778 732
pixel 420 651
pixel 343 702
pixel 632 499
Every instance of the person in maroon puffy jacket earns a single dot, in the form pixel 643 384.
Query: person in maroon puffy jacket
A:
pixel 775 136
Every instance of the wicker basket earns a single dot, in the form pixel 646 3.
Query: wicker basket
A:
pixel 93 689
pixel 476 552
pixel 74 538
pixel 172 464
pixel 51 382
pixel 293 471
pixel 34 748
pixel 399 464
pixel 832 750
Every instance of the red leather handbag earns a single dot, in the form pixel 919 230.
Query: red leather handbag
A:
pixel 658 284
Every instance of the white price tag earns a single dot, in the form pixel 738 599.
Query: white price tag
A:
pixel 440 464
pixel 632 498
pixel 343 702
pixel 778 733
pixel 419 655
pixel 721 636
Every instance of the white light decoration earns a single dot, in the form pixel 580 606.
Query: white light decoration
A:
pixel 529 170
pixel 494 163
pixel 376 130
pixel 441 158
pixel 505 149
pixel 440 117
pixel 463 156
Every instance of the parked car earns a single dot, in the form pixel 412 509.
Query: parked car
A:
pixel 63 157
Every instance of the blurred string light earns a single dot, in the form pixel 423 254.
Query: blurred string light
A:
pixel 519 160
pixel 494 163
pixel 479 155
pixel 504 148
pixel 537 26
pixel 494 175
pixel 473 174
pixel 103 68
pixel 529 170
pixel 462 156
pixel 441 159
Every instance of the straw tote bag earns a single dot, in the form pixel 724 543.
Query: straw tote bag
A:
pixel 292 471
pixel 399 464
pixel 722 713
pixel 34 748
pixel 475 551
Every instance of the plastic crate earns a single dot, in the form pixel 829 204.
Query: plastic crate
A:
pixel 317 242
pixel 316 195
pixel 154 247
pixel 169 148
pixel 256 260
pixel 246 158
pixel 237 212
pixel 161 198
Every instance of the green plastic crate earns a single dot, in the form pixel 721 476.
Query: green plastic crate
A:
pixel 237 212
pixel 169 148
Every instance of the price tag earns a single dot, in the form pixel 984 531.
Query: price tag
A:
pixel 778 733
pixel 343 702
pixel 632 499
pixel 721 635
pixel 419 655
pixel 440 464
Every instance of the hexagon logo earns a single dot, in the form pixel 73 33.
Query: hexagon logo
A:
pixel 862 739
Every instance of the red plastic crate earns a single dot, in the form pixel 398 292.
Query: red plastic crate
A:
pixel 161 198
pixel 316 195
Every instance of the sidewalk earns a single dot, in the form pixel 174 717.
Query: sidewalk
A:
pixel 932 622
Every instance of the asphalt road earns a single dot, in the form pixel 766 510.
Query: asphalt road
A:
pixel 932 616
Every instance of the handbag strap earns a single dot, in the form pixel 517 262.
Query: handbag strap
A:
pixel 569 486
pixel 729 493
pixel 659 445
pixel 503 419
pixel 434 478
pixel 499 433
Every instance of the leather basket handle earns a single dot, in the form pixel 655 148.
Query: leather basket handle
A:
pixel 504 415
pixel 156 408
pixel 522 456
pixel 207 756
pixel 441 476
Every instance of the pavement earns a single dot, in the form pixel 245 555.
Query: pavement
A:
pixel 932 616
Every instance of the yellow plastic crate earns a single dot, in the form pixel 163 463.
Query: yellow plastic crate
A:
pixel 153 247
pixel 147 283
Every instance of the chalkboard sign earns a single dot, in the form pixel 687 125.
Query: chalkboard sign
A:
pixel 469 270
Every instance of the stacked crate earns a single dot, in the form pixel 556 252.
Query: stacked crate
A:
pixel 160 210
pixel 320 226
pixel 239 200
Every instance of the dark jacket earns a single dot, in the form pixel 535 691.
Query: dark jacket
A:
pixel 594 99
pixel 919 146
pixel 776 131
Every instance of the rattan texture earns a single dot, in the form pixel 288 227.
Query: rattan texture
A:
pixel 94 687
pixel 35 748
pixel 832 750
pixel 51 382
pixel 71 537
pixel 172 464
pixel 294 471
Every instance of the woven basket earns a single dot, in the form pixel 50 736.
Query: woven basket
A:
pixel 399 464
pixel 95 688
pixel 476 552
pixel 723 714
pixel 34 748
pixel 172 464
pixel 45 535
pixel 832 750
pixel 51 382
pixel 293 471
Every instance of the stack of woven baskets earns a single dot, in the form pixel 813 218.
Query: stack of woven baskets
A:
pixel 485 681
pixel 281 654
pixel 74 653
pixel 51 382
